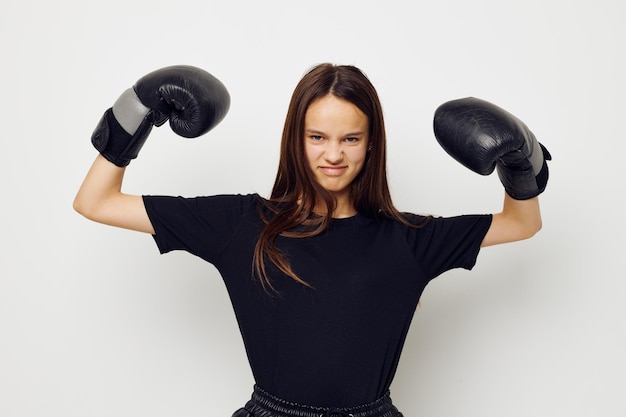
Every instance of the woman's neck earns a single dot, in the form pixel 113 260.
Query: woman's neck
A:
pixel 344 208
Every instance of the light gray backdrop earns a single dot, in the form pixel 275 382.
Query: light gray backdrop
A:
pixel 93 322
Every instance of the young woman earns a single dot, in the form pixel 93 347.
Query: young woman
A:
pixel 325 274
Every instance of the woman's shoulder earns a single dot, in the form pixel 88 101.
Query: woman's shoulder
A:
pixel 212 205
pixel 429 224
pixel 239 203
pixel 416 219
pixel 407 219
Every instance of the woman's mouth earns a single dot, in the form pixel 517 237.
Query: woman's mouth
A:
pixel 333 171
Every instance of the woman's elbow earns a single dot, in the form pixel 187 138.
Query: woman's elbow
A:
pixel 531 228
pixel 81 207
pixel 87 206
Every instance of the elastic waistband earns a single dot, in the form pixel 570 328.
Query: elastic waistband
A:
pixel 264 404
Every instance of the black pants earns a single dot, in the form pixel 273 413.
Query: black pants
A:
pixel 263 404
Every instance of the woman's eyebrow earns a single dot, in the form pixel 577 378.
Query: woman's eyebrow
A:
pixel 356 133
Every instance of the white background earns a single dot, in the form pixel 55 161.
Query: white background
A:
pixel 93 322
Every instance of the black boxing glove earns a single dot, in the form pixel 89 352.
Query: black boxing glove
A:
pixel 193 100
pixel 482 136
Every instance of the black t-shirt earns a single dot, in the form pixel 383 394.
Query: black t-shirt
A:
pixel 339 343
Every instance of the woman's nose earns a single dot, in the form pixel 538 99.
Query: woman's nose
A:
pixel 334 153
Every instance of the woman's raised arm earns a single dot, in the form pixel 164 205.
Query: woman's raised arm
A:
pixel 193 100
pixel 484 137
pixel 100 199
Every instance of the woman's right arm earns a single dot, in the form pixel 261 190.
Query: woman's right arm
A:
pixel 100 199
pixel 193 100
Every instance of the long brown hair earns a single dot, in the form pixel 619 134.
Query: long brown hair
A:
pixel 296 193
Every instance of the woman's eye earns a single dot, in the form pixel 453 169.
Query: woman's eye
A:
pixel 316 137
pixel 352 140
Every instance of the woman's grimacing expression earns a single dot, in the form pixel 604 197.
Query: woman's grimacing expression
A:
pixel 335 143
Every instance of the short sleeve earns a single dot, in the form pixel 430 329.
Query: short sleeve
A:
pixel 202 226
pixel 446 243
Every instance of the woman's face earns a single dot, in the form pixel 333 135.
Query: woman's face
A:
pixel 335 142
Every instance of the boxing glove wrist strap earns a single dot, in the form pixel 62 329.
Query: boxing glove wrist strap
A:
pixel 524 177
pixel 115 143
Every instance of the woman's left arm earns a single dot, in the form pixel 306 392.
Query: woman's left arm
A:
pixel 518 220
pixel 484 137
